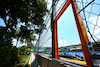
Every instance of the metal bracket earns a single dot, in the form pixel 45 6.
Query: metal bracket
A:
pixel 94 51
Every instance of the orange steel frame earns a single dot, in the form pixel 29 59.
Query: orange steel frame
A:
pixel 80 27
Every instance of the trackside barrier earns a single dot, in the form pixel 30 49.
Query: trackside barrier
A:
pixel 52 62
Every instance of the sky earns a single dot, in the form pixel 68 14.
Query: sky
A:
pixel 2 22
pixel 67 29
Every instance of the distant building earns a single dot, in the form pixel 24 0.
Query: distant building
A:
pixel 71 47
pixel 66 48
pixel 74 47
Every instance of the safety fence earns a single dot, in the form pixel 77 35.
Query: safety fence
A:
pixel 89 13
pixel 44 42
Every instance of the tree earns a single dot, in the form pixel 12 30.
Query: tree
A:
pixel 28 12
pixel 25 35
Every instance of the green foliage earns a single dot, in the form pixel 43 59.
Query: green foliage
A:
pixel 28 49
pixel 30 12
pixel 13 12
pixel 5 47
pixel 23 60
pixel 14 57
pixel 25 35
pixel 7 51
pixel 22 50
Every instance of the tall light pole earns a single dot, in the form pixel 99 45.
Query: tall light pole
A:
pixel 62 41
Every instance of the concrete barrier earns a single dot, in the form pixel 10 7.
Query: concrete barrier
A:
pixel 52 62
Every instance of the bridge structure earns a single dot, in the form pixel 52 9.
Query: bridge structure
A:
pixel 89 41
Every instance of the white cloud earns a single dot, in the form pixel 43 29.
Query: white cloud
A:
pixel 95 20
pixel 62 43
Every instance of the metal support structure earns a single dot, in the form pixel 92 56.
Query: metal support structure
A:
pixel 82 33
pixel 54 34
pixel 63 9
pixel 94 51
pixel 52 30
pixel 55 53
pixel 80 27
pixel 56 40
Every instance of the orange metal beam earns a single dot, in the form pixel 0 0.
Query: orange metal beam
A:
pixel 63 9
pixel 55 28
pixel 82 32
pixel 56 40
